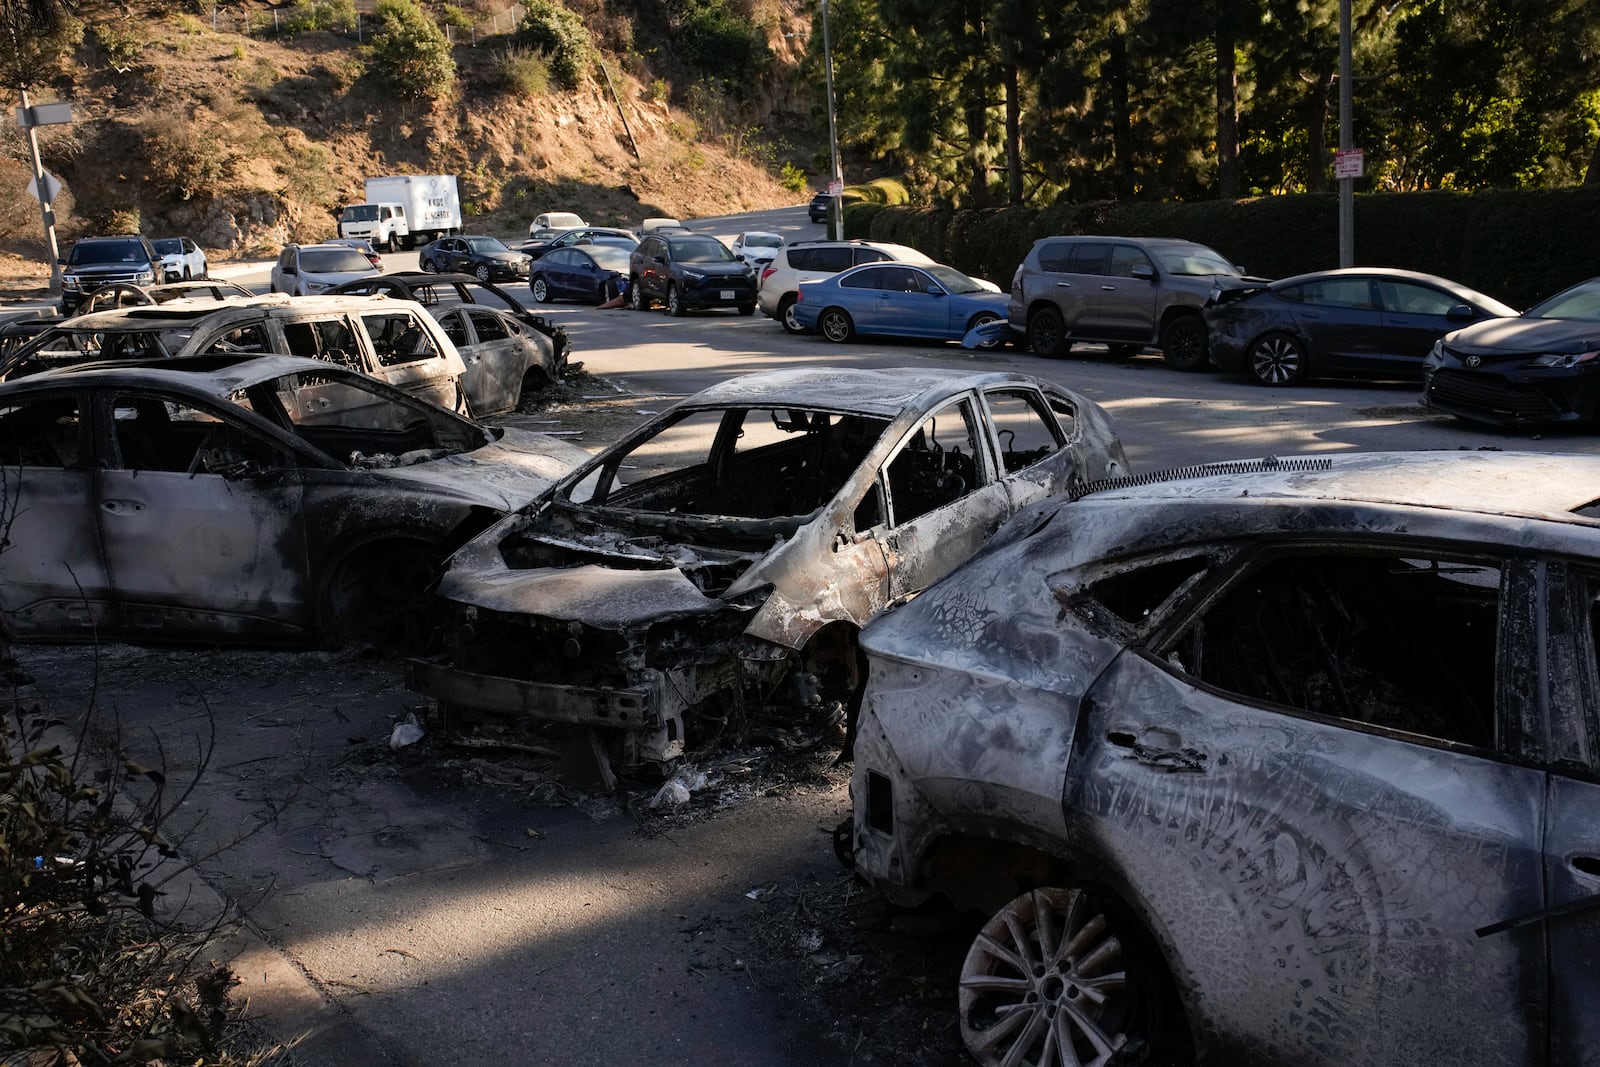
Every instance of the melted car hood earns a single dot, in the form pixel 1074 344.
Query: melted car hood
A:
pixel 602 597
pixel 505 474
pixel 1520 336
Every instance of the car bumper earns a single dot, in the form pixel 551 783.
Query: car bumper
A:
pixel 1503 401
pixel 714 294
pixel 637 707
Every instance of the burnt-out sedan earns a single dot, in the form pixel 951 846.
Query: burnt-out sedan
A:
pixel 267 500
pixel 1286 762
pixel 723 557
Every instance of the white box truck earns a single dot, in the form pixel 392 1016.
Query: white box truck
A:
pixel 429 203
pixel 384 225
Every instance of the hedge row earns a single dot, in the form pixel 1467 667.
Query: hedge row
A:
pixel 1519 246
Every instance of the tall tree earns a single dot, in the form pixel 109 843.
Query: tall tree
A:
pixel 35 35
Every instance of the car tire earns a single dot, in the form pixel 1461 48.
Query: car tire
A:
pixel 392 244
pixel 834 325
pixel 186 275
pixel 1137 1011
pixel 425 265
pixel 747 309
pixel 483 274
pixel 381 595
pixel 606 293
pixel 1124 351
pixel 540 289
pixel 675 305
pixel 636 297
pixel 1047 334
pixel 786 314
pixel 1277 359
pixel 983 318
pixel 1183 343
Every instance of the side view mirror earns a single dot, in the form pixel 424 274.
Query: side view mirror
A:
pixel 1461 313
pixel 290 270
pixel 934 290
pixel 1145 271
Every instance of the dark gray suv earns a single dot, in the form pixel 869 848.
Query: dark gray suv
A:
pixel 687 271
pixel 1125 292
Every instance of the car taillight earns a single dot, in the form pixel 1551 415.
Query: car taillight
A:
pixel 769 272
pixel 799 297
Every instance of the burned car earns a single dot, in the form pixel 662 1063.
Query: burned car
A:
pixel 1292 762
pixel 723 556
pixel 268 500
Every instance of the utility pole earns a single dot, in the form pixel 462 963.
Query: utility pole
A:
pixel 1347 188
pixel 836 182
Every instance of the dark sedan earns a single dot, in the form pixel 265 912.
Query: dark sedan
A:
pixel 1538 368
pixel 590 273
pixel 485 258
pixel 1357 322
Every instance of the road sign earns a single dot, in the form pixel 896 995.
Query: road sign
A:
pixel 44 115
pixel 836 188
pixel 1348 163
pixel 51 186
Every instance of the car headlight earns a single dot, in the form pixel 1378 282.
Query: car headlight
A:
pixel 145 277
pixel 1562 360
pixel 315 287
pixel 695 275
pixel 69 282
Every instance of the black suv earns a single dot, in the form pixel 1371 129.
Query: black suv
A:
pixel 689 271
pixel 97 261
pixel 818 209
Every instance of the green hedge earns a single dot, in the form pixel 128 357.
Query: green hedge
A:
pixel 1520 246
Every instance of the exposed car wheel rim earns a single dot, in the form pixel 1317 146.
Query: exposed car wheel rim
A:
pixel 381 596
pixel 1046 982
pixel 835 326
pixel 1183 343
pixel 674 301
pixel 1277 359
pixel 541 291
pixel 1047 334
pixel 482 273
pixel 984 320
pixel 786 315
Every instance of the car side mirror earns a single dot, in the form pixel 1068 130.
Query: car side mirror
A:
pixel 1145 272
pixel 290 270
pixel 934 290
pixel 1461 313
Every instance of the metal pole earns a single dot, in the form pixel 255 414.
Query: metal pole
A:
pixel 46 209
pixel 1347 189
pixel 836 213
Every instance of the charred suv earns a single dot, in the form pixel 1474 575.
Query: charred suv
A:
pixel 725 555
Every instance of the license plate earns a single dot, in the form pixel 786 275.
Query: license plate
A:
pixel 727 294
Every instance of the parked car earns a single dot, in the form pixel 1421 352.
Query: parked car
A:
pixel 1355 322
pixel 724 555
pixel 97 261
pixel 649 226
pixel 1536 369
pixel 485 258
pixel 554 221
pixel 181 259
pixel 806 261
pixel 1125 292
pixel 360 244
pixel 590 273
pixel 1291 762
pixel 897 300
pixel 757 248
pixel 582 235
pixel 231 499
pixel 687 271
pixel 393 340
pixel 817 210
pixel 306 270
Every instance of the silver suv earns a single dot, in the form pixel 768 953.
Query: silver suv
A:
pixel 806 261
pixel 1125 292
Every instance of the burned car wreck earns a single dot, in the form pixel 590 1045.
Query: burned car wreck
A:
pixel 725 555
pixel 1288 762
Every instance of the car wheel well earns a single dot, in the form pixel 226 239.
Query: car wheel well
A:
pixel 352 609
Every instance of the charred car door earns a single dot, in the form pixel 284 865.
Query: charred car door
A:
pixel 1311 765
pixel 52 572
pixel 498 356
pixel 200 519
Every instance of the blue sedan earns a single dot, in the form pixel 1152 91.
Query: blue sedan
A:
pixel 589 273
pixel 898 300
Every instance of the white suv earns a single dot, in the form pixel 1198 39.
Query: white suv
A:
pixel 806 261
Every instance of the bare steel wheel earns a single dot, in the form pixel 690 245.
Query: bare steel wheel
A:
pixel 1047 982
pixel 835 325
pixel 1277 359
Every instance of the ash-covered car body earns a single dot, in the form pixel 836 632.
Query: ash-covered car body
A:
pixel 1306 752
pixel 728 551
pixel 266 500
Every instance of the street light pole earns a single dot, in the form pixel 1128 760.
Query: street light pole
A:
pixel 836 181
pixel 1347 186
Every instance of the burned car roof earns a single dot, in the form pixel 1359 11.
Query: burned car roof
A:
pixel 877 392
pixel 216 376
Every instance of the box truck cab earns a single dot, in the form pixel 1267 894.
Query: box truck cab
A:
pixel 431 202
pixel 384 225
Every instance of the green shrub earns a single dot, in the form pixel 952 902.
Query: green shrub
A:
pixel 719 42
pixel 659 90
pixel 409 51
pixel 308 15
pixel 457 18
pixel 520 71
pixel 793 178
pixel 186 161
pixel 122 46
pixel 560 34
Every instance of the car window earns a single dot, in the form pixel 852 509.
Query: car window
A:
pixel 936 465
pixel 455 327
pixel 867 278
pixel 905 280
pixel 333 261
pixel 330 339
pixel 488 325
pixel 1088 257
pixel 1027 432
pixel 251 337
pixel 561 257
pixel 398 339
pixel 1126 257
pixel 1413 299
pixel 869 255
pixel 701 252
pixel 1053 256
pixel 1137 593
pixel 44 431
pixel 1387 639
pixel 1338 292
pixel 163 434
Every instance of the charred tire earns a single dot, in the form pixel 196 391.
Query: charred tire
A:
pixel 1047 334
pixel 1124 351
pixel 747 309
pixel 482 273
pixel 1061 976
pixel 381 595
pixel 1183 342
pixel 1277 359
pixel 540 289
pixel 983 318
pixel 834 325
pixel 786 315
pixel 636 298
pixel 675 305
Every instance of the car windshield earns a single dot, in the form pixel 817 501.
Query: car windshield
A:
pixel 701 252
pixel 487 244
pixel 103 252
pixel 609 257
pixel 360 423
pixel 762 240
pixel 1582 301
pixel 333 261
pixel 169 246
pixel 1192 259
pixel 953 279
pixel 360 213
